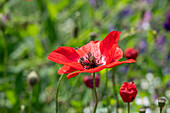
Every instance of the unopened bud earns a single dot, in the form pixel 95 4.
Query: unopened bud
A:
pixel 161 102
pixel 154 32
pixel 33 78
pixel 2 22
pixel 93 36
pixel 76 31
pixel 142 110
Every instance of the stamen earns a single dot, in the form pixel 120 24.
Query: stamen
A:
pixel 90 61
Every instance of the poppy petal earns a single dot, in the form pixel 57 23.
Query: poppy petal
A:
pixel 65 70
pixel 111 53
pixel 75 65
pixel 107 43
pixel 93 70
pixel 63 55
pixel 92 47
pixel 116 63
pixel 118 54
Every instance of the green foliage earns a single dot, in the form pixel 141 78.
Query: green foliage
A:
pixel 34 28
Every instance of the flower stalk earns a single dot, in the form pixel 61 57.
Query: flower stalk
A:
pixel 161 103
pixel 115 90
pixel 95 92
pixel 128 107
pixel 58 85
pixel 30 99
pixel 107 91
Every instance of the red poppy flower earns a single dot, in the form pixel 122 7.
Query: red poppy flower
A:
pixel 128 91
pixel 92 57
pixel 131 53
pixel 88 80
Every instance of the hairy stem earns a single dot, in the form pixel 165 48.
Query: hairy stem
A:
pixel 58 85
pixel 108 110
pixel 115 90
pixel 95 92
pixel 30 99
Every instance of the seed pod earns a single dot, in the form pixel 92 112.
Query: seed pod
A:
pixel 93 36
pixel 161 102
pixel 142 110
pixel 33 78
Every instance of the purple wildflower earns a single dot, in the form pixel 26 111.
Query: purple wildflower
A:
pixel 160 42
pixel 166 24
pixel 92 2
pixel 142 45
pixel 126 11
pixel 166 70
pixel 147 16
pixel 168 84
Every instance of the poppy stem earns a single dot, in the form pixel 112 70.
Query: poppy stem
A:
pixel 58 85
pixel 128 107
pixel 160 110
pixel 115 90
pixel 30 99
pixel 108 110
pixel 95 92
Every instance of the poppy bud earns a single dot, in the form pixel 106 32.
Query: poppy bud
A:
pixel 128 91
pixel 161 102
pixel 93 36
pixel 2 22
pixel 76 31
pixel 88 80
pixel 32 78
pixel 142 110
pixel 131 53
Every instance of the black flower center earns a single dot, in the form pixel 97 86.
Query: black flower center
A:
pixel 89 61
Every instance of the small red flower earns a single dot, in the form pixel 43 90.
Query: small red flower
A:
pixel 131 53
pixel 88 80
pixel 128 91
pixel 92 57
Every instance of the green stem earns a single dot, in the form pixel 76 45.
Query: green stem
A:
pixel 5 59
pixel 108 110
pixel 95 92
pixel 128 72
pixel 58 85
pixel 67 104
pixel 115 90
pixel 30 99
pixel 129 107
pixel 160 110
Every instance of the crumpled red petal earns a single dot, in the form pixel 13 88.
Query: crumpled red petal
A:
pixel 63 55
pixel 111 53
pixel 93 70
pixel 92 47
pixel 107 43
pixel 65 70
pixel 113 64
pixel 118 54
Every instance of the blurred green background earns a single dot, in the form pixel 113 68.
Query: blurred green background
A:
pixel 31 29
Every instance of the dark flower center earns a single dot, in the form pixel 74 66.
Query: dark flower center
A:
pixel 89 61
